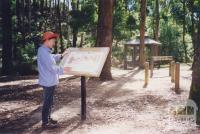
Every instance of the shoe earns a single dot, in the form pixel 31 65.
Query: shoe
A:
pixel 49 126
pixel 52 121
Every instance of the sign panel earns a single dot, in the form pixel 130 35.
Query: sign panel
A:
pixel 85 61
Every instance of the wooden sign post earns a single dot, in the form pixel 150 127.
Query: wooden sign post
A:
pixel 152 66
pixel 146 73
pixel 83 98
pixel 177 76
pixel 172 71
pixel 125 57
pixel 170 67
pixel 85 62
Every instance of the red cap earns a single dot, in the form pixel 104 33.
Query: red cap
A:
pixel 49 35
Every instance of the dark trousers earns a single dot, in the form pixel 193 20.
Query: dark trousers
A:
pixel 48 93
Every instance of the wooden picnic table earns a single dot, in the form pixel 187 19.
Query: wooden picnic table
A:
pixel 159 59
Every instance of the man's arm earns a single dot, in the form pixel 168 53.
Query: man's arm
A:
pixel 46 61
pixel 57 57
pixel 51 66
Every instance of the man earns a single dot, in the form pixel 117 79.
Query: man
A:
pixel 49 75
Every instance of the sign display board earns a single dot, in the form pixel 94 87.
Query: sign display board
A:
pixel 85 61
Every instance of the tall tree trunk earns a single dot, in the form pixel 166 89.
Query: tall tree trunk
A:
pixel 156 27
pixel 64 5
pixel 7 37
pixel 104 33
pixel 18 28
pixel 81 43
pixel 184 28
pixel 68 5
pixel 29 16
pixel 46 4
pixel 41 7
pixel 75 33
pixel 67 20
pixel 193 29
pixel 55 11
pixel 34 5
pixel 157 20
pixel 193 23
pixel 143 4
pixel 75 29
pixel 22 11
pixel 50 3
pixel 60 27
pixel 78 4
pixel 195 86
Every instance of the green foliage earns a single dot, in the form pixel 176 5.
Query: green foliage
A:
pixel 117 52
pixel 170 37
pixel 177 12
pixel 131 22
pixel 84 20
pixel 84 17
pixel 126 24
pixel 77 19
pixel 27 54
pixel 27 60
pixel 90 15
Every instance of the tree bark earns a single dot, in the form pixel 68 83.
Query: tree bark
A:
pixel 75 33
pixel 42 7
pixel 142 32
pixel 7 37
pixel 156 27
pixel 15 50
pixel 46 4
pixel 195 86
pixel 60 27
pixel 22 11
pixel 75 29
pixel 29 16
pixel 104 33
pixel 157 20
pixel 64 4
pixel 78 4
pixel 184 31
pixel 193 29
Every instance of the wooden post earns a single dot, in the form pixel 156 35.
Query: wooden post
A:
pixel 135 55
pixel 146 73
pixel 170 66
pixel 125 57
pixel 152 65
pixel 83 98
pixel 133 58
pixel 177 76
pixel 81 43
pixel 172 71
pixel 83 91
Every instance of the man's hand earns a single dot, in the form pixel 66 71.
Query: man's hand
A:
pixel 67 69
pixel 65 52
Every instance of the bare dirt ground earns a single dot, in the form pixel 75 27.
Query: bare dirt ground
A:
pixel 120 106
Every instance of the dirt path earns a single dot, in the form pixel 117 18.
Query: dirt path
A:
pixel 121 106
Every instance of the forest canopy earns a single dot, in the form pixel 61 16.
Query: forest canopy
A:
pixel 172 22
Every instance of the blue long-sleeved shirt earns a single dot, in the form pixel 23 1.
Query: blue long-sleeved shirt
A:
pixel 48 70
